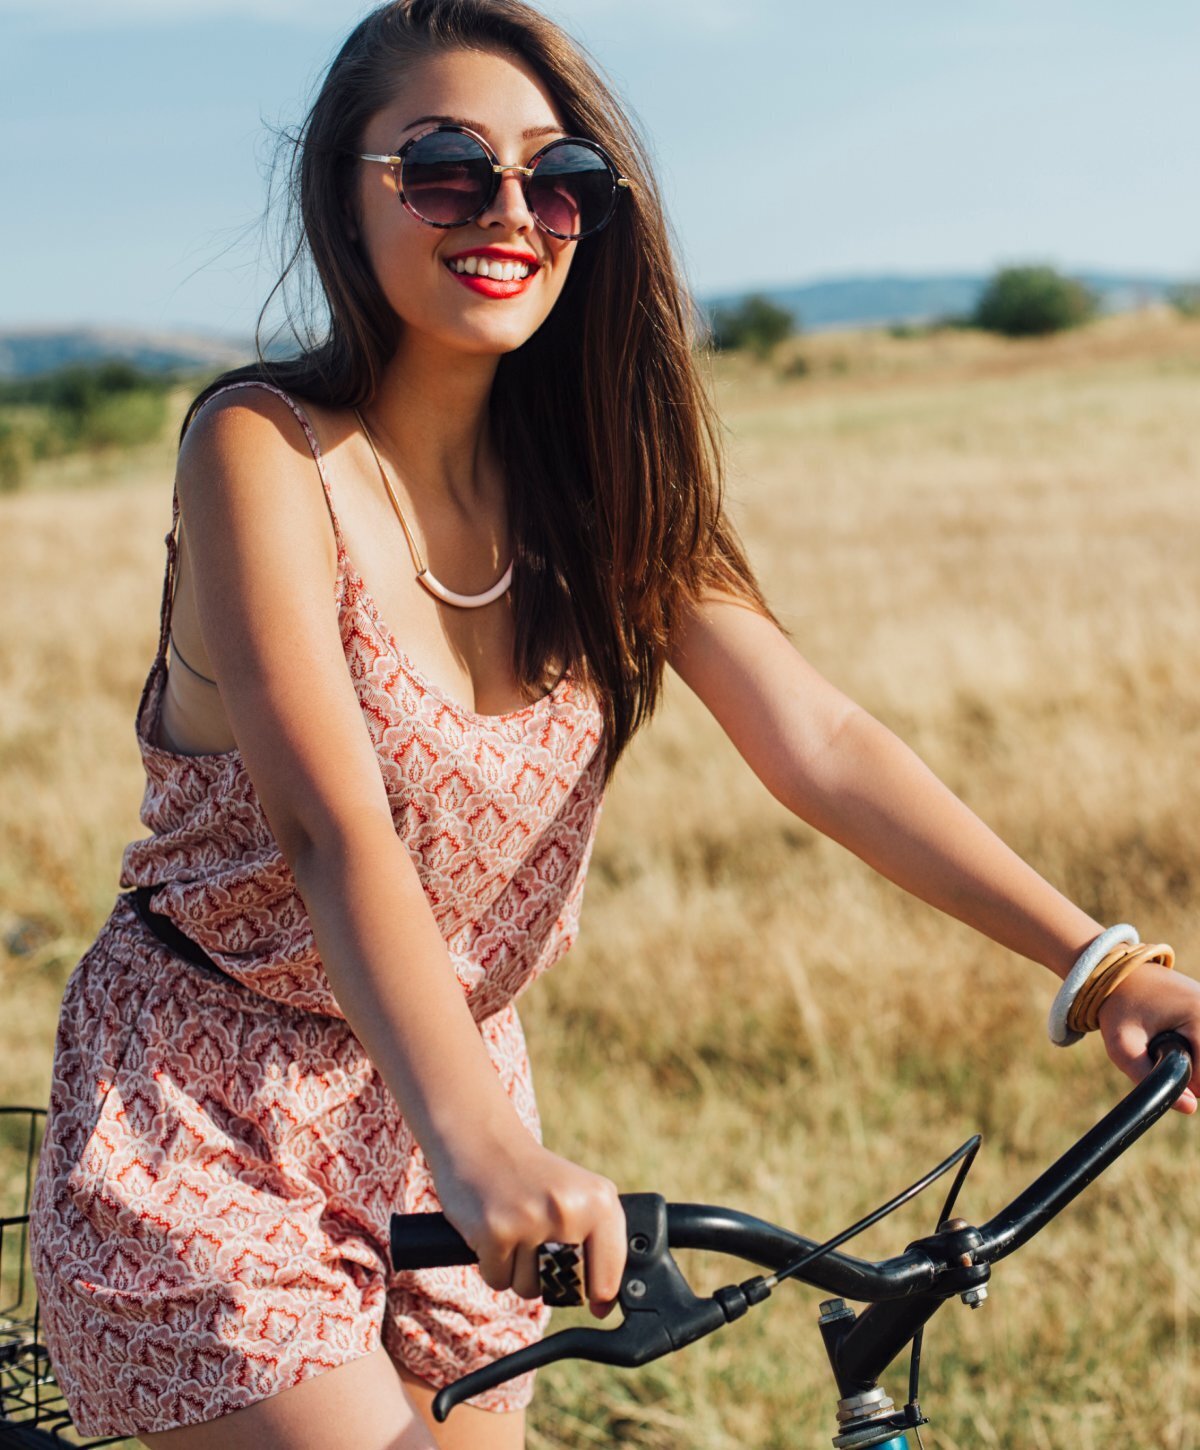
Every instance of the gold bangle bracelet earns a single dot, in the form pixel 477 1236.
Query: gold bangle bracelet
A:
pixel 1084 1015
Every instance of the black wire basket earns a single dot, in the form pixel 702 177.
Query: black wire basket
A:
pixel 32 1409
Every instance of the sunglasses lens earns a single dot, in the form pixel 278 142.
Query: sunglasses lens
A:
pixel 446 178
pixel 572 189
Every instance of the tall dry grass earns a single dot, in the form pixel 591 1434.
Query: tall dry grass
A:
pixel 994 547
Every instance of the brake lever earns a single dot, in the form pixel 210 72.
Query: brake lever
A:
pixel 661 1313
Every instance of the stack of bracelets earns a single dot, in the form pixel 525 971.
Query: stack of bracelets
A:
pixel 1100 970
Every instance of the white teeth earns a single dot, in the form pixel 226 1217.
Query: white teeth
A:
pixel 501 271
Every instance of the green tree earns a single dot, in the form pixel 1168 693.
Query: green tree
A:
pixel 1185 299
pixel 1033 302
pixel 755 323
pixel 15 455
pixel 110 406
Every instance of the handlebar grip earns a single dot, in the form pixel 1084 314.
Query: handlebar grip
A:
pixel 1168 1042
pixel 427 1241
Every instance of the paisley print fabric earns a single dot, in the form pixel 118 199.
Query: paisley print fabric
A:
pixel 221 1159
pixel 497 811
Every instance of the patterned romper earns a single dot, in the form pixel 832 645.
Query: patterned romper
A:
pixel 211 1212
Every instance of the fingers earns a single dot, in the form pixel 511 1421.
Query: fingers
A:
pixel 1128 1047
pixel 1188 1099
pixel 526 1278
pixel 498 1264
pixel 574 1208
pixel 604 1256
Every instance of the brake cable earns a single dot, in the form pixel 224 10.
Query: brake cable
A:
pixel 965 1154
pixel 967 1151
pixel 663 1313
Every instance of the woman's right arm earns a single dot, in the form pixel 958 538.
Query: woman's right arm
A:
pixel 263 561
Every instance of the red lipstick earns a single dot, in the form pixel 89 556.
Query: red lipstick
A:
pixel 495 286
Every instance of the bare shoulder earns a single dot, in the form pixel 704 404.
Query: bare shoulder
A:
pixel 260 560
pixel 247 461
pixel 246 426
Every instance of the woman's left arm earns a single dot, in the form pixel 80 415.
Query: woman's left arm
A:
pixel 836 767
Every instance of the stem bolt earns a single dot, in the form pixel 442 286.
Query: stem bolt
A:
pixel 636 1288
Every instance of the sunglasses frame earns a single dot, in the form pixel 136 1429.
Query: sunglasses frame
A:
pixel 396 163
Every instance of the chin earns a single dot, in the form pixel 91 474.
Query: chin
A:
pixel 493 341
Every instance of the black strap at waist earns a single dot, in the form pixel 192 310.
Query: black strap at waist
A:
pixel 167 932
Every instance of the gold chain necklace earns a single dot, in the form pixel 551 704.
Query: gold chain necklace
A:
pixel 424 576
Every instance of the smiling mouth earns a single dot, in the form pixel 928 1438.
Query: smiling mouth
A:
pixel 502 268
pixel 494 278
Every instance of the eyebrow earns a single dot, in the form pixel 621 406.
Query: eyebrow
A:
pixel 482 129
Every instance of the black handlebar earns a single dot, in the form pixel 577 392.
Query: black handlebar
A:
pixel 1064 1180
pixel 428 1241
pixel 661 1313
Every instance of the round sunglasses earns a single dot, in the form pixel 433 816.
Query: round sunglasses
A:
pixel 446 176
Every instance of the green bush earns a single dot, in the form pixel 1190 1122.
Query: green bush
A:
pixel 1185 299
pixel 123 420
pixel 756 323
pixel 1033 302
pixel 796 367
pixel 946 322
pixel 16 455
pixel 113 405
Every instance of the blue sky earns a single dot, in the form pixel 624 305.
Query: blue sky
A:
pixel 795 140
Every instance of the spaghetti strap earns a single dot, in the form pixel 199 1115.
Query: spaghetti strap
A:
pixel 310 434
pixel 173 548
pixel 172 538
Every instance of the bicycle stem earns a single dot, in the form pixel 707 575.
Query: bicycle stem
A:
pixel 662 1313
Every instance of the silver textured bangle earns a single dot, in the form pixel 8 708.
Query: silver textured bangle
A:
pixel 1089 958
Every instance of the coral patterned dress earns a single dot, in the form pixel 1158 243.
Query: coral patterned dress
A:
pixel 221 1158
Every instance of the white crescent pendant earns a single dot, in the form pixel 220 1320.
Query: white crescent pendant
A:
pixel 424 577
pixel 465 601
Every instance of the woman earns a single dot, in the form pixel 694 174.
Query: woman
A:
pixel 427 581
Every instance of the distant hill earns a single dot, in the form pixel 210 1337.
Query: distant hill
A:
pixel 876 301
pixel 835 302
pixel 31 351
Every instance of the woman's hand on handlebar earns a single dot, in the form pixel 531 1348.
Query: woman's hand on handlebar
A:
pixel 1151 1000
pixel 507 1197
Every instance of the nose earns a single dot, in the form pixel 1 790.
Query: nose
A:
pixel 508 208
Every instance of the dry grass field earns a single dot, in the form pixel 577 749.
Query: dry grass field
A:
pixel 995 547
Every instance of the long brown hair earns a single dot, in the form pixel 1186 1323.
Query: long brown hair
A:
pixel 602 414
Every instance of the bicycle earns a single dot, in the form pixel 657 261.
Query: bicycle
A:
pixel 661 1313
